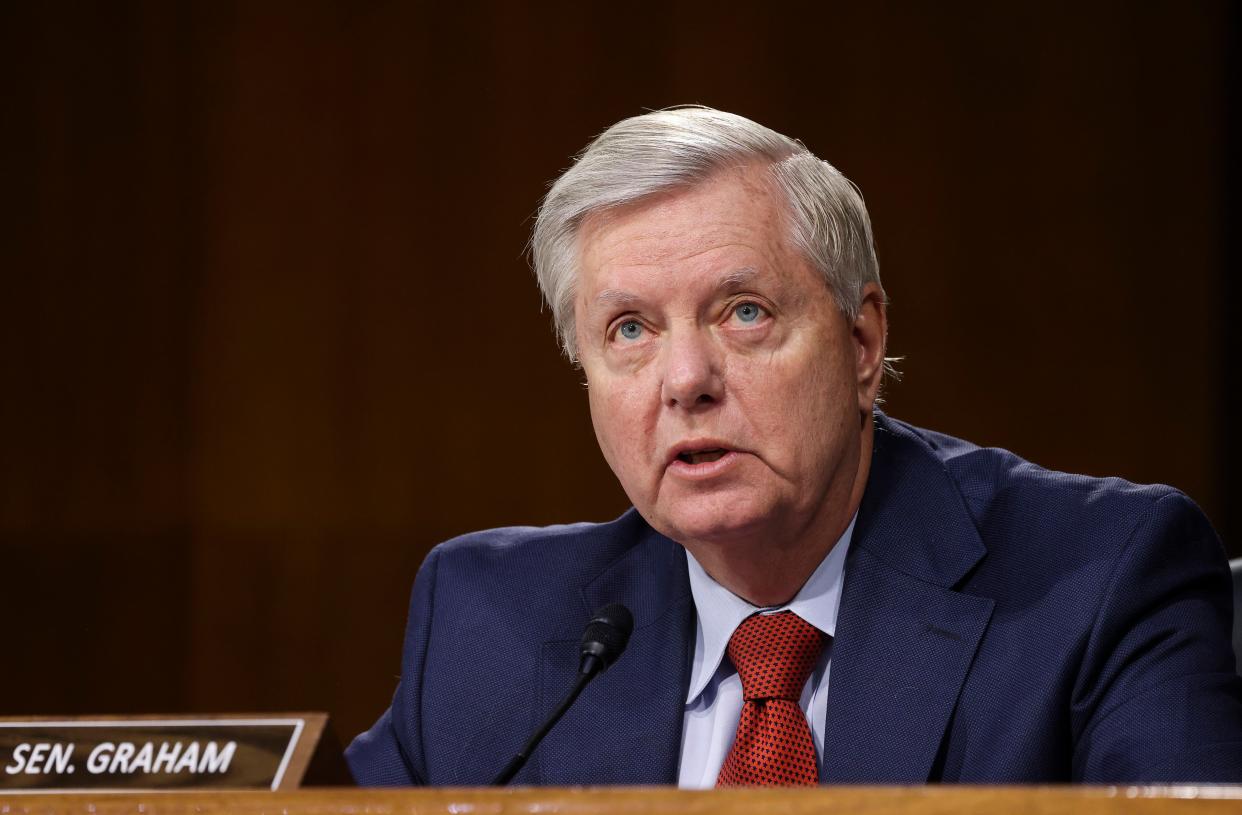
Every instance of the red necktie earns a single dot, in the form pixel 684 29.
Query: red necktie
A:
pixel 774 654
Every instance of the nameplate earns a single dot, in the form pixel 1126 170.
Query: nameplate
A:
pixel 149 753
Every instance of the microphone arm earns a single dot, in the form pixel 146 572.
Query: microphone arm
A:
pixel 519 760
pixel 604 639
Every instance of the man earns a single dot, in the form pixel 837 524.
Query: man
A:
pixel 821 593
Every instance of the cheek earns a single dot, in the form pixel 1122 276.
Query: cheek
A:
pixel 617 422
pixel 799 401
pixel 600 420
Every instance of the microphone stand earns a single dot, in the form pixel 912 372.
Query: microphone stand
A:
pixel 603 640
pixel 518 760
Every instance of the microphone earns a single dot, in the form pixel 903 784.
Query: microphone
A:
pixel 603 640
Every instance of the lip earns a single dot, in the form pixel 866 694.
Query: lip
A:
pixel 706 469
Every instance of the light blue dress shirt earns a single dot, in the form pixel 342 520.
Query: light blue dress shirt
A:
pixel 714 702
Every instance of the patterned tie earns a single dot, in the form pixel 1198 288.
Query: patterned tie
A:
pixel 774 654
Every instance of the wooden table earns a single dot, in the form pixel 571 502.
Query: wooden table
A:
pixel 928 800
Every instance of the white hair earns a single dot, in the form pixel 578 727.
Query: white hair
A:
pixel 646 155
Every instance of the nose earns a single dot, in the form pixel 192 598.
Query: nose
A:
pixel 692 371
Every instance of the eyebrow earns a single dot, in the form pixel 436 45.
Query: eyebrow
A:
pixel 615 297
pixel 736 279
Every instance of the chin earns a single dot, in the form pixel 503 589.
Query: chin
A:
pixel 714 524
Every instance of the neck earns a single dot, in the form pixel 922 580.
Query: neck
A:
pixel 768 570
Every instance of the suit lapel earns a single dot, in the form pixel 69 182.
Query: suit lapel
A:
pixel 626 727
pixel 899 659
pixel 905 639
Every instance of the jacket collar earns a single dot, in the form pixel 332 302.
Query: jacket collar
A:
pixel 912 515
pixel 905 637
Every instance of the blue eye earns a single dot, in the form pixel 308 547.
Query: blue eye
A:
pixel 630 329
pixel 748 312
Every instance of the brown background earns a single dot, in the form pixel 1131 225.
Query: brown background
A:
pixel 268 334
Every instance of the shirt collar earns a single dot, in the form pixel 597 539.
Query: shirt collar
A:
pixel 720 611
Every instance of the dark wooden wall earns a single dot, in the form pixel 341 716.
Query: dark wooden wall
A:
pixel 268 333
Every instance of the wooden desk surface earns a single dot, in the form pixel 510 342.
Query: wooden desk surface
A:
pixel 929 800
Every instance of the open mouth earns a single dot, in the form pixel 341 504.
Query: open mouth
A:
pixel 702 456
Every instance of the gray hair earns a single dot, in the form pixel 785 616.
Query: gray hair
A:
pixel 645 155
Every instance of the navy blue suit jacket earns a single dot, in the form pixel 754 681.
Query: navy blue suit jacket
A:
pixel 1000 623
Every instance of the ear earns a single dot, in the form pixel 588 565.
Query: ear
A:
pixel 870 335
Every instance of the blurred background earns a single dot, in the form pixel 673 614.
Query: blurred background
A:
pixel 268 332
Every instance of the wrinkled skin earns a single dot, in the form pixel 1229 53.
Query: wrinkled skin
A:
pixel 704 332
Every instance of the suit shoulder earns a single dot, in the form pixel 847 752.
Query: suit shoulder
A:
pixel 993 479
pixel 530 555
pixel 1053 521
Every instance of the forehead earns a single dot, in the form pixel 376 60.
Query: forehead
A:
pixel 732 215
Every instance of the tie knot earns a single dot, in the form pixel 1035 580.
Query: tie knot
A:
pixel 774 654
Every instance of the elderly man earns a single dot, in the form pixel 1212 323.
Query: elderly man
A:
pixel 821 593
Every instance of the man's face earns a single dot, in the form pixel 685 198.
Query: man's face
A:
pixel 727 390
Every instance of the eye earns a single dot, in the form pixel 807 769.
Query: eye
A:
pixel 630 329
pixel 748 312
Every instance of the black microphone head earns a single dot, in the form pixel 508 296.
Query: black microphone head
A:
pixel 605 637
